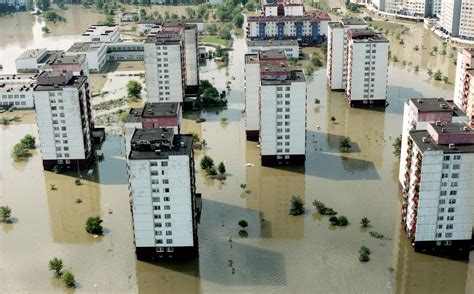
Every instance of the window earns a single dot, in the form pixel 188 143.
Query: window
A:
pixel 446 166
pixel 155 182
pixel 153 163
pixel 154 173
pixel 446 157
pixel 442 193
pixel 166 181
pixel 444 184
pixel 442 201
pixel 167 190
pixel 164 163
pixel 453 193
pixel 456 166
pixel 167 207
pixel 444 176
pixel 169 241
pixel 160 249
pixel 438 235
pixel 457 157
pixel 450 218
pixel 455 176
pixel 159 241
pixel 451 209
pixel 169 233
pixel 440 226
pixel 167 216
pixel 441 210
pixel 166 199
pixel 168 225
pixel 440 218
pixel 170 249
pixel 158 233
pixel 454 184
pixel 452 201
pixel 449 235
pixel 449 227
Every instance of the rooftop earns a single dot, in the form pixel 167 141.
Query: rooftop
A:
pixel 425 142
pixel 167 36
pixel 168 109
pixel 251 58
pixel 159 143
pixel 431 104
pixel 314 15
pixel 293 76
pixel 268 43
pixel 85 47
pixel 67 59
pixel 353 21
pixel 366 36
pixel 17 82
pixel 272 54
pixel 96 30
pixel 33 53
pixel 51 81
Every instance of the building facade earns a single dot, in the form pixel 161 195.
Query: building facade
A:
pixel 438 205
pixel 367 68
pixel 456 20
pixel 164 203
pixel 310 28
pixel 64 118
pixel 281 102
pixel 464 84
pixel 17 91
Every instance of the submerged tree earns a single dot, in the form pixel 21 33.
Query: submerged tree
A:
pixel 5 213
pixel 68 279
pixel 297 205
pixel 345 144
pixel 56 265
pixel 93 225
pixel 364 222
pixel 397 146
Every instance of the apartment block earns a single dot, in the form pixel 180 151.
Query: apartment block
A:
pixel 438 204
pixel 164 203
pixel 276 105
pixel 101 33
pixel 367 68
pixel 309 28
pixel 464 84
pixel 283 7
pixel 17 91
pixel 337 50
pixel 64 118
pixel 457 20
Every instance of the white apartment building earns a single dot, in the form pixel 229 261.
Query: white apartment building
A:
pixel 64 118
pixel 457 20
pixel 418 114
pixel 95 52
pixel 367 68
pixel 165 206
pixel 281 101
pixel 101 33
pixel 283 7
pixel 337 51
pixel 464 84
pixel 291 47
pixel 438 205
pixel 17 91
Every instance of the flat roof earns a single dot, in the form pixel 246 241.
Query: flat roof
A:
pixel 32 53
pixel 268 43
pixel 85 46
pixel 425 142
pixel 314 15
pixel 366 36
pixel 144 142
pixel 452 128
pixel 17 82
pixel 164 38
pixel 67 59
pixel 431 104
pixel 353 21
pixel 156 109
pixel 100 30
pixel 74 82
pixel 251 58
pixel 272 54
pixel 293 76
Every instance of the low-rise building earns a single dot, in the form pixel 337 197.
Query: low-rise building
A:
pixel 31 60
pixel 64 118
pixel 309 28
pixel 164 203
pixel 291 47
pixel 438 205
pixel 17 91
pixel 101 33
pixel 77 64
pixel 275 105
pixel 121 51
pixel 95 52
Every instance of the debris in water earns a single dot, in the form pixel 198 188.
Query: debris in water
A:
pixel 249 164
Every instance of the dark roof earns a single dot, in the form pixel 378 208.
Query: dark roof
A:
pixel 294 76
pixel 159 143
pixel 353 21
pixel 265 43
pixel 166 109
pixel 272 54
pixel 366 36
pixel 74 82
pixel 431 104
pixel 425 142
pixel 251 58
pixel 312 16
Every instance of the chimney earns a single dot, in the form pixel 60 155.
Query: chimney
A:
pixel 438 123
pixel 420 100
pixel 424 140
pixel 452 146
pixel 443 129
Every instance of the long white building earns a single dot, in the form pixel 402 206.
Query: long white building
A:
pixel 367 68
pixel 17 91
pixel 165 205
pixel 457 20
pixel 408 8
pixel 64 118
pixel 418 114
pixel 464 84
pixel 278 102
pixel 337 51
pixel 95 53
pixel 438 205
pixel 101 33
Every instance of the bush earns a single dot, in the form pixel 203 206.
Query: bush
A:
pixel 29 141
pixel 297 206
pixel 4 121
pixel 68 279
pixel 342 221
pixel 333 220
pixel 333 119
pixel 365 222
pixel 364 257
pixel 57 169
pixel 207 162
pixel 5 213
pixel 221 168
pixel 20 151
pixel 322 209
pixel 365 250
pixel 56 265
pixel 134 89
pixel 437 76
pixel 93 225
pixel 397 146
pixel 243 224
pixel 345 144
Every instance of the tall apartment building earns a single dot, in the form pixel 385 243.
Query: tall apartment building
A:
pixel 164 203
pixel 337 50
pixel 417 114
pixel 457 20
pixel 409 8
pixel 275 105
pixel 367 68
pixel 17 91
pixel 309 28
pixel 438 205
pixel 64 118
pixel 171 63
pixel 464 84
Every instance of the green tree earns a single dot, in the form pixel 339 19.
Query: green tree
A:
pixel 93 225
pixel 296 205
pixel 429 71
pixel 134 89
pixel 5 213
pixel 243 224
pixel 207 162
pixel 397 146
pixel 4 121
pixel 445 79
pixel 29 141
pixel 221 168
pixel 342 221
pixel 238 20
pixel 20 151
pixel 68 279
pixel 333 119
pixel 345 144
pixel 191 13
pixel 43 4
pixel 56 265
pixel 365 222
pixel 212 28
pixel 316 61
pixel 437 76
pixel 334 220
pixel 250 6
pixel 364 257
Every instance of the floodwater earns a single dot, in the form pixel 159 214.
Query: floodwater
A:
pixel 281 254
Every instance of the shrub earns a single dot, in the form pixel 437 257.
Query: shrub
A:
pixel 93 225
pixel 221 168
pixel 211 171
pixel 365 250
pixel 207 162
pixel 397 146
pixel 57 169
pixel 322 209
pixel 345 144
pixel 365 222
pixel 364 257
pixel 5 213
pixel 333 119
pixel 342 221
pixel 297 205
pixel 68 279
pixel 134 89
pixel 4 121
pixel 29 141
pixel 333 220
pixel 243 224
pixel 20 151
pixel 56 265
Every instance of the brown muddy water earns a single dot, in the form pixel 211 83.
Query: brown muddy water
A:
pixel 281 254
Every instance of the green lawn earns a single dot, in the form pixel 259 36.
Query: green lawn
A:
pixel 214 40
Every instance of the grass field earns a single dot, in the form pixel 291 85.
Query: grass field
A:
pixel 214 40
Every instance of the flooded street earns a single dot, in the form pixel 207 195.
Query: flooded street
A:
pixel 282 253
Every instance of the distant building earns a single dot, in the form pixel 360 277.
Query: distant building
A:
pixel 165 206
pixel 464 84
pixel 309 28
pixel 275 107
pixel 438 205
pixel 31 60
pixel 95 52
pixel 127 50
pixel 413 9
pixel 215 2
pixel 457 20
pixel 291 47
pixel 129 16
pixel 64 118
pixel 17 91
pixel 283 7
pixel 101 33
pixel 17 4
